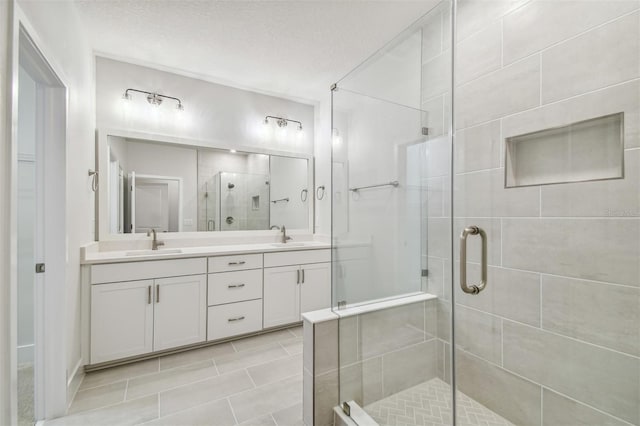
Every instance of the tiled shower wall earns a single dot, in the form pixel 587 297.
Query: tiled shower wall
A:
pixel 367 357
pixel 555 337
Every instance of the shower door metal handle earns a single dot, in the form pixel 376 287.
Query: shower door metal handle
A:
pixel 473 289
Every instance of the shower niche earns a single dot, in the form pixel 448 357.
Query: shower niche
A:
pixel 582 151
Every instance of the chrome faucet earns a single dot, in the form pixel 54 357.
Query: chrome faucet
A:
pixel 155 243
pixel 285 238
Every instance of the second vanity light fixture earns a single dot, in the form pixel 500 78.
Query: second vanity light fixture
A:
pixel 155 99
pixel 282 122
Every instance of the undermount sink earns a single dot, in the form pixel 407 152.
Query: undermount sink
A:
pixel 288 244
pixel 151 252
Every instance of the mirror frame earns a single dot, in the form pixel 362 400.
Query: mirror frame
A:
pixel 102 197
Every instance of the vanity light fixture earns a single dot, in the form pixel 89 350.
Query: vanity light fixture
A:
pixel 154 99
pixel 282 122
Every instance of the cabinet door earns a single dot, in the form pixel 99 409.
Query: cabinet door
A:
pixel 315 289
pixel 281 295
pixel 121 320
pixel 180 311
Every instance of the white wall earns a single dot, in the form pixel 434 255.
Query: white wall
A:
pixel 212 112
pixel 58 26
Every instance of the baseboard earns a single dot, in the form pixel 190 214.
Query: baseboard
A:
pixel 74 380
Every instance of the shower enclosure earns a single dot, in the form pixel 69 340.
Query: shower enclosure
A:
pixel 486 218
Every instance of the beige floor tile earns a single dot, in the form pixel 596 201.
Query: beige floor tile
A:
pixel 116 374
pixel 297 331
pixel 202 392
pixel 260 421
pixel 250 357
pixel 276 370
pixel 291 416
pixel 262 340
pixel 128 413
pixel 292 346
pixel 101 396
pixel 164 380
pixel 195 355
pixel 216 413
pixel 267 399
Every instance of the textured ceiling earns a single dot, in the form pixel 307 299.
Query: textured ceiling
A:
pixel 292 48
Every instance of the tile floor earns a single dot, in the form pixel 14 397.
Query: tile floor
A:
pixel 429 404
pixel 252 381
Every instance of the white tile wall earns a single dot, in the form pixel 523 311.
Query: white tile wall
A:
pixel 553 340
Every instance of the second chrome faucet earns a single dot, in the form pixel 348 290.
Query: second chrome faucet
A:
pixel 155 243
pixel 285 237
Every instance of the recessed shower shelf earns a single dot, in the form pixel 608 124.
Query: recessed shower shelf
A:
pixel 581 151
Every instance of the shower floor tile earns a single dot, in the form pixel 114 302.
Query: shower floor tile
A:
pixel 429 403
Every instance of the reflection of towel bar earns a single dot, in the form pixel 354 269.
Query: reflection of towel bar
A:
pixel 394 183
pixel 281 200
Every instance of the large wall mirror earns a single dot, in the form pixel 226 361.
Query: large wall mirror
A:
pixel 173 185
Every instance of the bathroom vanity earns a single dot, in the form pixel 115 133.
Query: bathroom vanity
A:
pixel 144 302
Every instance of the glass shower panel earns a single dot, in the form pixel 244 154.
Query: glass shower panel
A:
pixel 554 336
pixel 377 246
pixel 391 224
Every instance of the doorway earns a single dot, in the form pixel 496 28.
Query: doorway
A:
pixel 38 289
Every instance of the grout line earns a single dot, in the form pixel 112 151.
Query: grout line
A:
pixel 502 342
pixel 502 42
pixel 541 405
pixel 233 413
pixel 126 389
pixel 540 80
pixel 285 349
pixel 540 201
pixel 540 302
pixel 250 378
pixel 215 365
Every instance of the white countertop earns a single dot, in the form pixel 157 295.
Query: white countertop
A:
pixel 90 253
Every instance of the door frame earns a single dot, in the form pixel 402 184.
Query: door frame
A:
pixel 50 374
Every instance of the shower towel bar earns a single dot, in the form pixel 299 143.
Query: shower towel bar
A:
pixel 280 200
pixel 394 183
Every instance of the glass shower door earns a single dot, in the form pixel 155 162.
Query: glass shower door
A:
pixel 546 214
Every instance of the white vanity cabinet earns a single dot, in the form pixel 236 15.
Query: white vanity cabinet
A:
pixel 148 309
pixel 121 320
pixel 235 295
pixel 141 307
pixel 294 283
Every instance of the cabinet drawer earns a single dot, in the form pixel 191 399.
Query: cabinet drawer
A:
pixel 300 257
pixel 237 286
pixel 235 262
pixel 234 318
pixel 133 271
